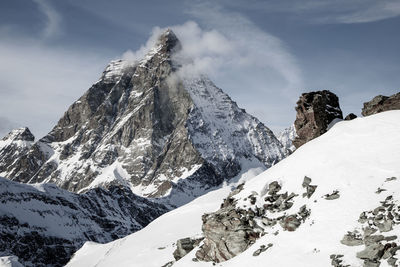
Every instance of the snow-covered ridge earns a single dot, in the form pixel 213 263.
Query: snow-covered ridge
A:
pixel 357 159
pixel 41 219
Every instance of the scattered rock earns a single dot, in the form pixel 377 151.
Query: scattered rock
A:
pixel 380 190
pixel 352 239
pixel 390 179
pixel 350 117
pixel 336 260
pixel 262 249
pixel 310 189
pixel 332 196
pixel 315 111
pixel 168 264
pixel 381 103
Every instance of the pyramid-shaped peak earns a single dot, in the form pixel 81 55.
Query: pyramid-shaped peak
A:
pixel 21 134
pixel 169 41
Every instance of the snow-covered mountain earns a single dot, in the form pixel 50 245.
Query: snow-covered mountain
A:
pixel 44 225
pixel 144 127
pixel 286 138
pixel 333 202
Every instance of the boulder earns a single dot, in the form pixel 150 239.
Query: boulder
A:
pixel 184 246
pixel 350 117
pixel 315 111
pixel 381 103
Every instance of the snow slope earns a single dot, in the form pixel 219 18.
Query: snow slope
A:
pixel 355 158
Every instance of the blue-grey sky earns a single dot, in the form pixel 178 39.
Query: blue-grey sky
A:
pixel 264 54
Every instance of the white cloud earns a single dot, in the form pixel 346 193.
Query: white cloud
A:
pixel 53 18
pixel 251 65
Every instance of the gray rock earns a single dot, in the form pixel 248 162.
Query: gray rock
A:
pixel 332 196
pixel 184 246
pixel 352 239
pixel 315 111
pixel 350 117
pixel 372 252
pixel 381 103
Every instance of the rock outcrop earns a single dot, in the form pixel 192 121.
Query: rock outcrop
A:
pixel 381 103
pixel 350 117
pixel 234 228
pixel 315 111
pixel 44 225
pixel 143 126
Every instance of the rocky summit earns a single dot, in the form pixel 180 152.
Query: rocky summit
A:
pixel 315 111
pixel 381 103
pixel 147 128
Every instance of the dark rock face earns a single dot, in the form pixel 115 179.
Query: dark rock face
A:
pixel 350 117
pixel 381 103
pixel 44 225
pixel 315 111
pixel 143 126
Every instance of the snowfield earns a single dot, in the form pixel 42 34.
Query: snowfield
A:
pixel 354 158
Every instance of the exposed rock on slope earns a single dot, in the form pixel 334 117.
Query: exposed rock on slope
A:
pixel 144 127
pixel 381 103
pixel 315 111
pixel 337 161
pixel 44 225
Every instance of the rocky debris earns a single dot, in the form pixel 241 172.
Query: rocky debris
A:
pixel 168 264
pixel 381 103
pixel 39 222
pixel 151 131
pixel 380 190
pixel 352 239
pixel 350 117
pixel 262 249
pixel 390 179
pixel 231 230
pixel 378 247
pixel 337 261
pixel 315 111
pixel 332 196
pixel 310 189
pixel 184 246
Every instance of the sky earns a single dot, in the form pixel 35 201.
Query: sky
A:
pixel 264 54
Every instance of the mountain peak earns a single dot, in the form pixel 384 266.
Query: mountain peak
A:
pixel 21 134
pixel 169 41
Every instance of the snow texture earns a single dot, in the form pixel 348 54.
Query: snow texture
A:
pixel 354 158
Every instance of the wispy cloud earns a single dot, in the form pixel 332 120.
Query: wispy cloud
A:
pixel 380 10
pixel 53 18
pixel 326 11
